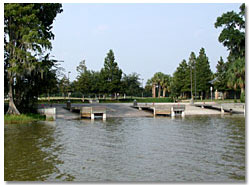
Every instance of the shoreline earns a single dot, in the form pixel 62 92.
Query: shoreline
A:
pixel 122 110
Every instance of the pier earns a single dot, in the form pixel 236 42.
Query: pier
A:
pixel 234 108
pixel 168 110
pixel 91 112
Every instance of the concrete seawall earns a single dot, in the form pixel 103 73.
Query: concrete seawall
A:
pixel 49 112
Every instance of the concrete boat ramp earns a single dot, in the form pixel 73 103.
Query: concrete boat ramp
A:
pixel 113 110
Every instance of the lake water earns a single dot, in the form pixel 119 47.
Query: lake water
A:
pixel 193 149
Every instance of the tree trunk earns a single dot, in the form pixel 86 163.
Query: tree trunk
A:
pixel 242 90
pixel 159 91
pixel 153 90
pixel 12 107
pixel 164 92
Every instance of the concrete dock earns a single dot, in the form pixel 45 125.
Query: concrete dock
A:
pixel 115 110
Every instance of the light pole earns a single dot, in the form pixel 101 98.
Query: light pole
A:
pixel 68 74
pixel 195 80
pixel 211 89
pixel 191 83
pixel 68 84
pixel 142 87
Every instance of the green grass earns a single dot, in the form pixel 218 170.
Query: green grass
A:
pixel 220 101
pixel 61 101
pixel 23 118
pixel 138 99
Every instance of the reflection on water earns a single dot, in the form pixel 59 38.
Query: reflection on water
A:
pixel 127 149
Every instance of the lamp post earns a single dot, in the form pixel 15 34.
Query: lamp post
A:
pixel 191 84
pixel 68 84
pixel 211 89
pixel 142 87
pixel 195 80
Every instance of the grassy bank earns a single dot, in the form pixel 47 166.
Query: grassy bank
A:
pixel 59 100
pixel 138 99
pixel 23 118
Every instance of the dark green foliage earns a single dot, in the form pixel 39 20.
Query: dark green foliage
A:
pixel 233 37
pixel 236 74
pixel 233 33
pixel 131 85
pixel 63 85
pixel 27 35
pixel 111 74
pixel 220 82
pixel 203 73
pixel 139 100
pixel 88 82
pixel 242 97
pixel 181 79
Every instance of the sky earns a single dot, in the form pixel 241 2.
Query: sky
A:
pixel 145 38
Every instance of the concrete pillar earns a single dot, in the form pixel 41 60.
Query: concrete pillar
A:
pixel 154 111
pixel 222 110
pixel 172 112
pixel 183 114
pixel 216 94
pixel 104 116
pixel 92 116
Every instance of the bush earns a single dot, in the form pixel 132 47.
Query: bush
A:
pixel 242 97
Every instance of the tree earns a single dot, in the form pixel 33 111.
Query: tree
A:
pixel 236 75
pixel 203 73
pixel 233 33
pixel 165 83
pixel 95 82
pixel 233 37
pixel 192 72
pixel 131 84
pixel 81 68
pixel 220 82
pixel 63 85
pixel 27 34
pixel 181 80
pixel 111 74
pixel 150 85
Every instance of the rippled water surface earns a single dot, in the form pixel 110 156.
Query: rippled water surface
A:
pixel 127 149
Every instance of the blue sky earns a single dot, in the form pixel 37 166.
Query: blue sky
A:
pixel 146 38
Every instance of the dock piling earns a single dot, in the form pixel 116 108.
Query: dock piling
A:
pixel 222 110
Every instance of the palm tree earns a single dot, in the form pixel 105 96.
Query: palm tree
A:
pixel 151 83
pixel 157 79
pixel 165 83
pixel 236 75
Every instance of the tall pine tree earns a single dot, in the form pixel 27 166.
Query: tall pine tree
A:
pixel 203 73
pixel 111 75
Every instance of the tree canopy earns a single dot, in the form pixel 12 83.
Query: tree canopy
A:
pixel 111 74
pixel 27 35
pixel 232 36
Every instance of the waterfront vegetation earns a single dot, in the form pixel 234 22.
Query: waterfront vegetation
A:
pixel 22 118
